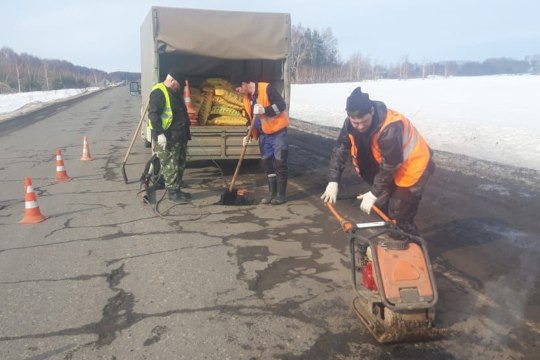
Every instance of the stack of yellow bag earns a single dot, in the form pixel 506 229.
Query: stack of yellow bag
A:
pixel 220 104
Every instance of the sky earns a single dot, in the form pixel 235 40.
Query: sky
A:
pixel 492 118
pixel 104 34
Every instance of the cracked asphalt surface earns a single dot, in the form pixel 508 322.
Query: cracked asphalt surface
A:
pixel 108 277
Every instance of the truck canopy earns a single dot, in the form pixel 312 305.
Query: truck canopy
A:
pixel 236 35
pixel 215 44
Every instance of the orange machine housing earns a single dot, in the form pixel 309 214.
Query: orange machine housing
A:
pixel 404 270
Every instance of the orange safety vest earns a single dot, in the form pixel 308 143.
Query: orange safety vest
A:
pixel 270 125
pixel 416 153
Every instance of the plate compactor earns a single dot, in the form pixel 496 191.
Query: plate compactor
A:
pixel 393 280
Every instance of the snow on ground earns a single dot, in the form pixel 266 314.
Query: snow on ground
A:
pixel 15 103
pixel 492 118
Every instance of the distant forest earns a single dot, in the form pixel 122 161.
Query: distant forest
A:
pixel 24 72
pixel 314 58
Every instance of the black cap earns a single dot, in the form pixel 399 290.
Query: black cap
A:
pixel 178 76
pixel 358 103
pixel 243 78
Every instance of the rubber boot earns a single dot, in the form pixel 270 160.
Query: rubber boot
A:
pixel 281 190
pixel 178 196
pixel 271 190
pixel 184 195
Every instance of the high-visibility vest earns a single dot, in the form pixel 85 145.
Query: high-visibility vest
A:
pixel 166 115
pixel 416 152
pixel 270 125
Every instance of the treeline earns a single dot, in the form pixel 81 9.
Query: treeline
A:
pixel 315 59
pixel 24 72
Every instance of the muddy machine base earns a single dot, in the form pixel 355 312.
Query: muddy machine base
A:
pixel 388 326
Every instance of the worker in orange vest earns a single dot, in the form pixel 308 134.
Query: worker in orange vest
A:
pixel 388 153
pixel 266 107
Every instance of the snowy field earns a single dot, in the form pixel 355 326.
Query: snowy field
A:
pixel 492 118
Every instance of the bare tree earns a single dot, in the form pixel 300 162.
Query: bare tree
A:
pixel 18 75
pixel 359 67
pixel 45 75
pixel 331 51
pixel 404 68
pixel 298 49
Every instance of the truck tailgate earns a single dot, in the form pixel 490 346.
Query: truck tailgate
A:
pixel 219 142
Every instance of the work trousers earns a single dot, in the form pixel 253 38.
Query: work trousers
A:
pixel 401 203
pixel 274 153
pixel 173 163
pixel 402 206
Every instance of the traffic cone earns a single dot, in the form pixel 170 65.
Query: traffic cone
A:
pixel 189 106
pixel 86 151
pixel 32 214
pixel 61 174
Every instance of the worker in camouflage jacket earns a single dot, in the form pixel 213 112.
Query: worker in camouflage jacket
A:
pixel 388 153
pixel 169 122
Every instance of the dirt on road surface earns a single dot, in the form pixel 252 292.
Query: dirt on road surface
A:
pixel 108 277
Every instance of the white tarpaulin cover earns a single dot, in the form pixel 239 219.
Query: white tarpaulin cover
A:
pixel 234 34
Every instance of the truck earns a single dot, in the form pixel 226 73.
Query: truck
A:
pixel 215 44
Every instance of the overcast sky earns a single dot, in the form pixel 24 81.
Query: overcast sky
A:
pixel 104 34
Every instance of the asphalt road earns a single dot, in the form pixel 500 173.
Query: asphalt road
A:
pixel 109 277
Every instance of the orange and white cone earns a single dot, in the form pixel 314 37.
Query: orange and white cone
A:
pixel 61 174
pixel 187 98
pixel 86 151
pixel 32 214
pixel 189 106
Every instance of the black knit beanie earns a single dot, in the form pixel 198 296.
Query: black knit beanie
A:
pixel 178 75
pixel 238 79
pixel 358 103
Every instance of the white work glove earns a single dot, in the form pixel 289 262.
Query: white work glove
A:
pixel 330 194
pixel 246 140
pixel 368 200
pixel 162 141
pixel 258 109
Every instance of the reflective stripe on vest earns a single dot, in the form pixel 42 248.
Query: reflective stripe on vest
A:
pixel 270 125
pixel 354 154
pixel 166 115
pixel 416 153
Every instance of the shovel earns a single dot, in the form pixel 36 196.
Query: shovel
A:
pixel 133 141
pixel 230 195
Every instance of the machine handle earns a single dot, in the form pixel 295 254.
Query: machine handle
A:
pixel 369 225
pixel 382 215
pixel 345 225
